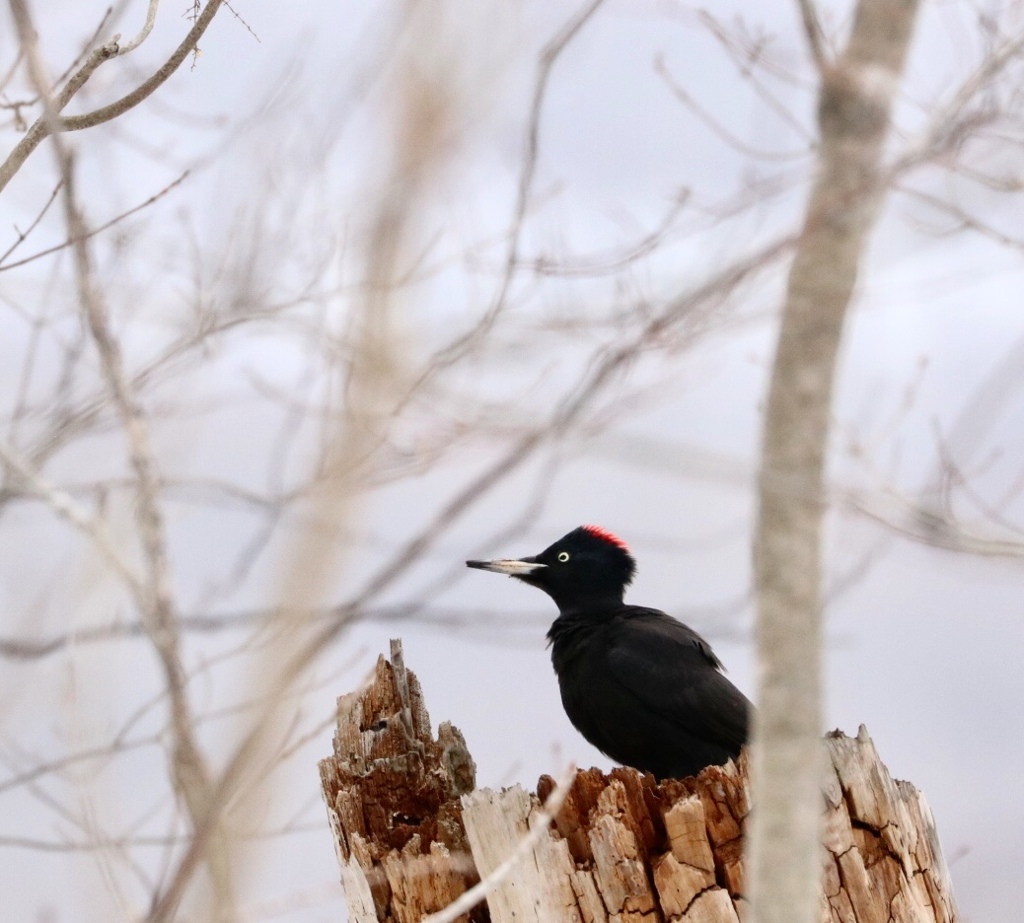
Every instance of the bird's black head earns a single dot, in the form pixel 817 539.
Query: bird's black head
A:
pixel 587 566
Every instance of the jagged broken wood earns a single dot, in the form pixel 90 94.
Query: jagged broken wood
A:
pixel 413 834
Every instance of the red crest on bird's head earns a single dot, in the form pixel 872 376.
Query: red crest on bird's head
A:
pixel 606 536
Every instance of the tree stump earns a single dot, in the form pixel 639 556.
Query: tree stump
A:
pixel 412 833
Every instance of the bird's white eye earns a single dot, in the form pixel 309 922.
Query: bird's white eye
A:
pixel 563 556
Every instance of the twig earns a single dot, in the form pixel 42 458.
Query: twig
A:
pixel 716 127
pixel 446 618
pixel 23 235
pixel 548 58
pixel 45 125
pixel 99 229
pixel 601 374
pixel 69 510
pixel 147 27
pixel 815 34
pixel 41 128
pixel 921 524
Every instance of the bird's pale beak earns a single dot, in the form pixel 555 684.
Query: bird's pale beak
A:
pixel 510 566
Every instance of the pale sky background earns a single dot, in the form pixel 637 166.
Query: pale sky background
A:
pixel 284 134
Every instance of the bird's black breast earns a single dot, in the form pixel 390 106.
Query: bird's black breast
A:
pixel 646 690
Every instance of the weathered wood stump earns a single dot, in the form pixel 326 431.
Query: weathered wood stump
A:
pixel 412 834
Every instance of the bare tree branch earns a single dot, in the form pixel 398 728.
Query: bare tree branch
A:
pixel 99 229
pixel 45 125
pixel 143 33
pixel 68 509
pixel 549 56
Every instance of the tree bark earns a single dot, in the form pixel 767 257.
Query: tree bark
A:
pixel 412 834
pixel 858 92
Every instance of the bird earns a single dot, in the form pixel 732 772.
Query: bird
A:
pixel 638 684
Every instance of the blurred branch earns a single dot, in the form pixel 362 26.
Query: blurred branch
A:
pixel 68 509
pixel 952 124
pixel 603 371
pixel 930 517
pixel 89 412
pixel 159 616
pixel 188 768
pixel 99 229
pixel 369 385
pixel 449 617
pixel 815 35
pixel 962 219
pixel 920 522
pixel 549 56
pixel 22 236
pixel 594 265
pixel 715 125
pixel 854 111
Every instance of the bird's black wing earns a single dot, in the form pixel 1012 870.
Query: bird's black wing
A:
pixel 672 670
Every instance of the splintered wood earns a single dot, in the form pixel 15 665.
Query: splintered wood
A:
pixel 392 794
pixel 412 834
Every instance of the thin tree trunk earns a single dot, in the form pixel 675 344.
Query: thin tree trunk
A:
pixel 412 835
pixel 855 104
